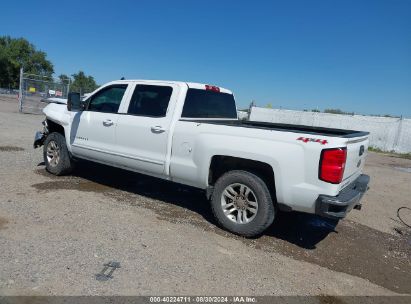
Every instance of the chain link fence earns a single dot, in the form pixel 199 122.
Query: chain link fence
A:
pixel 37 91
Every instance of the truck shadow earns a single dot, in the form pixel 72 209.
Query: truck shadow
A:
pixel 303 230
pixel 350 248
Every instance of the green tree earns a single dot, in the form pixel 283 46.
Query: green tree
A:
pixel 16 53
pixel 64 78
pixel 269 106
pixel 83 83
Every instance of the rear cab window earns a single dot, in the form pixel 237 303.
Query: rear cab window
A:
pixel 209 104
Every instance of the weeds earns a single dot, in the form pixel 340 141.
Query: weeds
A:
pixel 391 153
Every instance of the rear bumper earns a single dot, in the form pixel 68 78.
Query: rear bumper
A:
pixel 338 206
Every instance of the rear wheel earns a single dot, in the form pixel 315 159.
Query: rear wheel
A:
pixel 242 203
pixel 56 155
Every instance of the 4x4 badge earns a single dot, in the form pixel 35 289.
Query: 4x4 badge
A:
pixel 318 140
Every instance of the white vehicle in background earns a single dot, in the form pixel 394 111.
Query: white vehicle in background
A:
pixel 189 133
pixel 55 100
pixel 61 100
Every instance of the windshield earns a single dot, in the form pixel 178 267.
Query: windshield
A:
pixel 209 104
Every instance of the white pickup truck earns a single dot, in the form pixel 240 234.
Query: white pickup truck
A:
pixel 189 133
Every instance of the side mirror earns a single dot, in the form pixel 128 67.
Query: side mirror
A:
pixel 74 101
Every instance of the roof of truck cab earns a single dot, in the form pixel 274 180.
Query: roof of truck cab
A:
pixel 192 85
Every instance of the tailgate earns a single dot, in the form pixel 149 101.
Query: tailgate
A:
pixel 356 153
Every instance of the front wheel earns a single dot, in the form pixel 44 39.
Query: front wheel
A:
pixel 242 203
pixel 56 155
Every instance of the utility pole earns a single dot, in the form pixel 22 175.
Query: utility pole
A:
pixel 21 91
pixel 68 86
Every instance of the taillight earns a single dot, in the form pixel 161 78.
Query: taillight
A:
pixel 332 164
pixel 212 88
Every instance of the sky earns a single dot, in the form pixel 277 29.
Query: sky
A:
pixel 351 55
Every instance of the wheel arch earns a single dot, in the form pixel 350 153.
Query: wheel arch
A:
pixel 220 164
pixel 60 128
pixel 55 127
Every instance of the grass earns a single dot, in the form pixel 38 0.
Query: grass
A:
pixel 391 153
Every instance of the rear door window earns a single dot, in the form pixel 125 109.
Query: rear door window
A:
pixel 150 100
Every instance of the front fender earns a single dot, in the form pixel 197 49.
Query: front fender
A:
pixel 59 114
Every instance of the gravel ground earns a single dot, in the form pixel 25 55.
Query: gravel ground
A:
pixel 56 234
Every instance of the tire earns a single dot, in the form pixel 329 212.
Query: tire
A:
pixel 55 145
pixel 258 222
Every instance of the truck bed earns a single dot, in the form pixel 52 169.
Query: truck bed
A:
pixel 286 128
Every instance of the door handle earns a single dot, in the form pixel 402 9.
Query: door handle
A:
pixel 108 122
pixel 157 129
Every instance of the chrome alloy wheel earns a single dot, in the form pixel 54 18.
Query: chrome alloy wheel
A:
pixel 239 203
pixel 53 153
